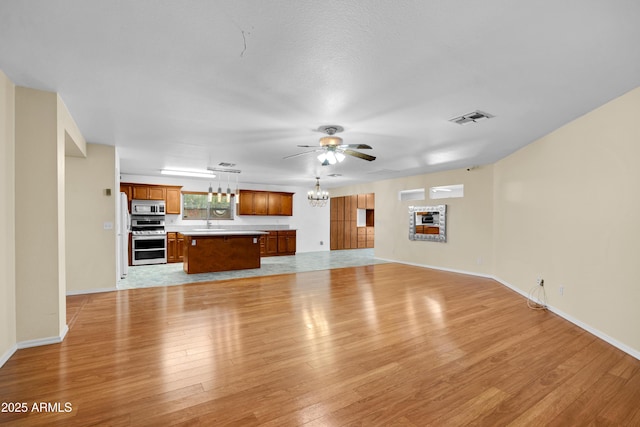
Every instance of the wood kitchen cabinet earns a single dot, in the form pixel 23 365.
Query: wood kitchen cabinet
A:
pixel 362 201
pixel 157 193
pixel 169 193
pixel 128 190
pixel 353 227
pixel 175 247
pixel 274 204
pixel 362 237
pixel 280 204
pixel 173 205
pixel 334 234
pixel 344 230
pixel 254 202
pixel 272 243
pixel 286 242
pixel 366 201
pixel 370 201
pixel 278 242
pixel 147 192
pixel 370 237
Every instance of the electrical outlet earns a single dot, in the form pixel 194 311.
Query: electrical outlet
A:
pixel 561 290
pixel 540 281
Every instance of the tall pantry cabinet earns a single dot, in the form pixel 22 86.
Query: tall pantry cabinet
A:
pixel 352 222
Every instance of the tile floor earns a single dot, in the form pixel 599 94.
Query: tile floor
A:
pixel 144 276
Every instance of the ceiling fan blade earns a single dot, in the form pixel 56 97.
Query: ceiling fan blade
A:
pixel 308 146
pixel 357 146
pixel 359 155
pixel 300 154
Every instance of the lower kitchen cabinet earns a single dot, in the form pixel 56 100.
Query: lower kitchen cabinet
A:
pixel 286 242
pixel 175 247
pixel 362 237
pixel 370 237
pixel 278 243
pixel 272 243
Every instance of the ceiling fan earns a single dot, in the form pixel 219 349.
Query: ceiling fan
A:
pixel 331 148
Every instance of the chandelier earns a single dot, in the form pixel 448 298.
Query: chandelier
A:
pixel 317 197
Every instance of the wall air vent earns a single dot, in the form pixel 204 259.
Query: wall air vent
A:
pixel 473 117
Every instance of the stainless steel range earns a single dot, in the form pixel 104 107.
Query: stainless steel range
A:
pixel 148 236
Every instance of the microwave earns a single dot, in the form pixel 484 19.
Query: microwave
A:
pixel 147 207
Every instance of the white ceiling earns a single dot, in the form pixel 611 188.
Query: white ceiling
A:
pixel 190 84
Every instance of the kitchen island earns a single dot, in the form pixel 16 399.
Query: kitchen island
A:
pixel 207 251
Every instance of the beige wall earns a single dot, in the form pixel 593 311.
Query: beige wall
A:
pixel 44 131
pixel 91 250
pixel 469 246
pixel 37 211
pixel 7 219
pixel 566 209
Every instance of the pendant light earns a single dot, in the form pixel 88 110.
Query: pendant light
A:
pixel 237 191
pixel 210 195
pixel 219 191
pixel 228 190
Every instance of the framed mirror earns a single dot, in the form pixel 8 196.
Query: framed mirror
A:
pixel 428 223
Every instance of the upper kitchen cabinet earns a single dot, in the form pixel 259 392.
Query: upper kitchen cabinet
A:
pixel 366 201
pixel 169 193
pixel 148 192
pixel 253 202
pixel 280 204
pixel 173 200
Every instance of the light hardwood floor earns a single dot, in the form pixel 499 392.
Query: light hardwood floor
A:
pixel 387 344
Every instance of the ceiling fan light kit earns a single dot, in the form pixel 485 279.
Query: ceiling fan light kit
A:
pixel 333 150
pixel 331 157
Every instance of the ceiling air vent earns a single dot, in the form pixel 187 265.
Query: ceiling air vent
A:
pixel 473 117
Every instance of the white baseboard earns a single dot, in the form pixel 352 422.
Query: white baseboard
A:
pixel 91 291
pixel 44 341
pixel 7 355
pixel 434 267
pixel 621 346
pixel 630 351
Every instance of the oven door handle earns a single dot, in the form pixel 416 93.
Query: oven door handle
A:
pixel 149 237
